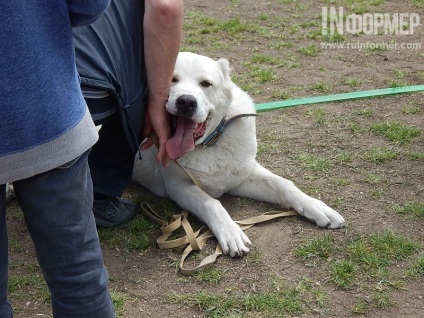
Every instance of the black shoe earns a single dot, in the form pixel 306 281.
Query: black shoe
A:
pixel 113 212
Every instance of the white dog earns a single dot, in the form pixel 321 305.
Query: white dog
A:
pixel 202 98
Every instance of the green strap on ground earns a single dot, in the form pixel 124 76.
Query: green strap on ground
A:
pixel 337 97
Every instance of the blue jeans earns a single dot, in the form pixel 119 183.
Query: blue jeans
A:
pixel 111 160
pixel 57 207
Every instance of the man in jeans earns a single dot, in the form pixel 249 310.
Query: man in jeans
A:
pixel 45 134
pixel 126 61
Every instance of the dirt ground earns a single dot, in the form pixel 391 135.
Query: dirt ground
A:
pixel 149 277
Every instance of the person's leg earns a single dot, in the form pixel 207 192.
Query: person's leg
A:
pixel 57 206
pixel 5 308
pixel 111 163
pixel 111 160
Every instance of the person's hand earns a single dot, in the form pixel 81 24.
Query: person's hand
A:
pixel 157 129
pixel 162 28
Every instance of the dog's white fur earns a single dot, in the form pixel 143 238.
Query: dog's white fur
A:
pixel 228 167
pixel 10 194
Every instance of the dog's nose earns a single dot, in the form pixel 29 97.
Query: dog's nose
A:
pixel 186 105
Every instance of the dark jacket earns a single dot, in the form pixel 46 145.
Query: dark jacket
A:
pixel 110 57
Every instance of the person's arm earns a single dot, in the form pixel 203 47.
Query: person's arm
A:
pixel 162 39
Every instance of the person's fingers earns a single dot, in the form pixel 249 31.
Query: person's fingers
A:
pixel 157 124
pixel 146 144
pixel 162 155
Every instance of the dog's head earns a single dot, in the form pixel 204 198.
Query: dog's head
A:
pixel 199 98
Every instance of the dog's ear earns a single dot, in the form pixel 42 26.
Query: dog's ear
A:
pixel 224 65
pixel 227 85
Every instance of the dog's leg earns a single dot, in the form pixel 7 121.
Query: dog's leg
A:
pixel 209 210
pixel 263 185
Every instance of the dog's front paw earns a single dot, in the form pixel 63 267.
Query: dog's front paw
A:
pixel 320 213
pixel 233 240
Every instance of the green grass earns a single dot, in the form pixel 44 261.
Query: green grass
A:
pixel 137 235
pixel 281 44
pixel 314 162
pixel 319 248
pixel 344 157
pixel 366 262
pixel 16 246
pixel 16 213
pixel 373 179
pixel 413 208
pixel 416 269
pixel 333 38
pixel 341 182
pixel 140 233
pixel 397 132
pixel 279 301
pixel 380 154
pixel 355 128
pixel 383 300
pixel 370 252
pixel 266 146
pixel 209 276
pixel 201 29
pixel 352 82
pixel 342 273
pixel 372 50
pixel 321 87
pixel 376 194
pixel 399 74
pixel 411 108
pixel 17 283
pixel 261 75
pixel 395 84
pixel 203 24
pixel 366 112
pixel 280 94
pixel 362 6
pixel 234 26
pixel 310 51
pixel 29 287
pixel 415 155
pixel 262 58
pixel 359 260
pixel 360 307
pixel 318 114
pixel 254 256
pixel 119 299
pixel 418 3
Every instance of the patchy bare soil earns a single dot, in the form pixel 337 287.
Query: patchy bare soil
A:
pixel 365 192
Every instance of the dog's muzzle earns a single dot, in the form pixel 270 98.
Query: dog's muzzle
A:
pixel 186 105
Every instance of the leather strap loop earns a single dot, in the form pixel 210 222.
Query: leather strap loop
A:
pixel 197 240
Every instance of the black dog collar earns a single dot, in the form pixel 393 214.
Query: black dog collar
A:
pixel 214 136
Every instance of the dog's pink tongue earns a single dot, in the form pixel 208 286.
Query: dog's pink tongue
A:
pixel 183 140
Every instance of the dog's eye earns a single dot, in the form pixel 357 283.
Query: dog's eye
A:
pixel 205 84
pixel 174 79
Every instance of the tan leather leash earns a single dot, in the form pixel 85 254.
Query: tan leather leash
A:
pixel 197 240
